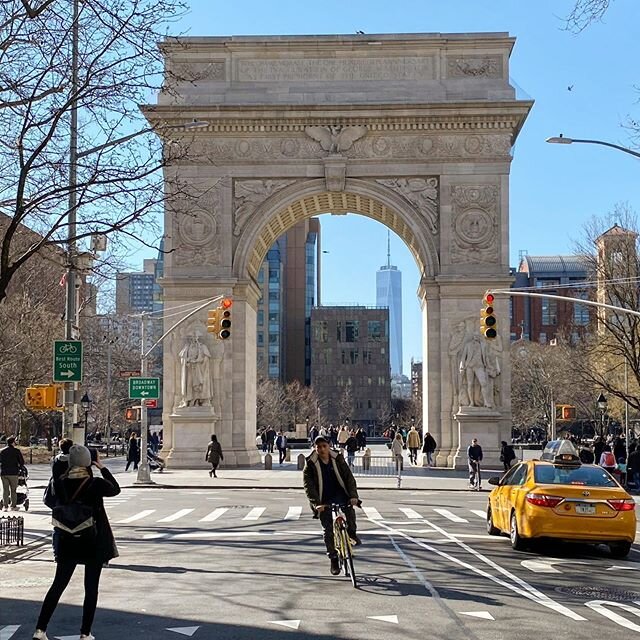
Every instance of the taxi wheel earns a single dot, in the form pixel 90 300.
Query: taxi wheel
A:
pixel 491 529
pixel 620 549
pixel 517 543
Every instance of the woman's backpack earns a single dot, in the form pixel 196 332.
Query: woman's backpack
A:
pixel 609 460
pixel 74 518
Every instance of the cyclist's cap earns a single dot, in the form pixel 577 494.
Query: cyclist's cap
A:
pixel 320 440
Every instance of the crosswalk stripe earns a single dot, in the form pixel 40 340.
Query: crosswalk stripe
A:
pixel 479 513
pixel 214 515
pixel 137 516
pixel 450 516
pixel 8 632
pixel 293 513
pixel 255 513
pixel 177 515
pixel 410 513
pixel 372 513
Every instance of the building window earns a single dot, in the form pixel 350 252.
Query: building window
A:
pixel 549 312
pixel 274 275
pixel 366 356
pixel 260 338
pixel 273 316
pixel 273 359
pixel 261 317
pixel 374 330
pixel 274 338
pixel 274 295
pixel 369 404
pixel 321 331
pixel 352 329
pixel 581 311
pixel 381 381
pixel 542 339
pixel 353 356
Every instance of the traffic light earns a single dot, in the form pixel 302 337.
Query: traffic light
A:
pixel 488 319
pixel 225 321
pixel 566 412
pixel 213 321
pixel 131 414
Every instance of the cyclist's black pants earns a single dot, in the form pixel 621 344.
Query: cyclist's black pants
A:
pixel 326 520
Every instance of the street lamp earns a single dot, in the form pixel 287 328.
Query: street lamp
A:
pixel 601 403
pixel 562 140
pixel 86 403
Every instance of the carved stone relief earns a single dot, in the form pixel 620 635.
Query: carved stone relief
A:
pixel 474 236
pixel 370 146
pixel 195 226
pixel 198 71
pixel 474 67
pixel 248 194
pixel 422 193
pixel 475 365
pixel 336 139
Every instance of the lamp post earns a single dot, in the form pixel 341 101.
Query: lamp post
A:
pixel 601 403
pixel 86 403
pixel 563 140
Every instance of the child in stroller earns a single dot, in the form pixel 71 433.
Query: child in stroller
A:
pixel 156 463
pixel 22 491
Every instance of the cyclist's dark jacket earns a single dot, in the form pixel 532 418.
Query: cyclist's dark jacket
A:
pixel 474 452
pixel 312 477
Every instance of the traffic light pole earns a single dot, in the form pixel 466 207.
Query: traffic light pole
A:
pixel 144 473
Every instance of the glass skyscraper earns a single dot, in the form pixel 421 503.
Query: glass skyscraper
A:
pixel 389 294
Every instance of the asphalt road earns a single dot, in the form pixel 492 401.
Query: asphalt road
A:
pixel 241 564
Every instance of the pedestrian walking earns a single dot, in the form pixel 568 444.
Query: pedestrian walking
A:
pixel 633 466
pixel 133 452
pixel 343 436
pixel 507 455
pixel 351 445
pixel 92 546
pixel 11 461
pixel 474 458
pixel 313 434
pixel 281 446
pixel 607 459
pixel 586 455
pixel 271 438
pixel 361 437
pixel 413 444
pixel 428 447
pixel 214 455
pixel 396 450
pixel 60 464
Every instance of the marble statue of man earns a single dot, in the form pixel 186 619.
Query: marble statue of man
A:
pixel 474 363
pixel 196 387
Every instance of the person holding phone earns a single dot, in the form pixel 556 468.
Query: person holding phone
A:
pixel 92 547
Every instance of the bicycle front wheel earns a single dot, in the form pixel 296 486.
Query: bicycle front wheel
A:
pixel 349 563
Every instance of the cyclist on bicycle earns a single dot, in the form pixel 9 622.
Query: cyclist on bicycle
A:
pixel 328 480
pixel 474 456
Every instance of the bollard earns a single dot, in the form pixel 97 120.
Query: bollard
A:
pixel 30 455
pixel 287 455
pixel 366 460
pixel 268 462
pixel 301 461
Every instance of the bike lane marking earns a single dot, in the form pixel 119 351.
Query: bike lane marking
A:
pixel 451 516
pixel 524 589
pixel 214 515
pixel 177 515
pixel 600 606
pixel 137 516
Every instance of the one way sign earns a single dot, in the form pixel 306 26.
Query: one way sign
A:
pixel 144 388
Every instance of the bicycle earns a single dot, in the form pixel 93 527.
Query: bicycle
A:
pixel 342 542
pixel 474 480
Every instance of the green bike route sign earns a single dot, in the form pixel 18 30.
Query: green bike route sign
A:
pixel 144 388
pixel 67 361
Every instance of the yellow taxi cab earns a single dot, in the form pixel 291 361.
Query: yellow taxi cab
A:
pixel 559 497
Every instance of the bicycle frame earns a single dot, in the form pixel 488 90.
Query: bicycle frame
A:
pixel 342 542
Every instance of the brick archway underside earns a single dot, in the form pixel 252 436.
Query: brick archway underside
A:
pixel 330 202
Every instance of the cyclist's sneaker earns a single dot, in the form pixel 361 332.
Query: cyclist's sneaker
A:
pixel 355 540
pixel 39 634
pixel 335 566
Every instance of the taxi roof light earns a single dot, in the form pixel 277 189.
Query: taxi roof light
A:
pixel 562 452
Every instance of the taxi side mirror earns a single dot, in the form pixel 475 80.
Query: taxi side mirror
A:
pixel 495 480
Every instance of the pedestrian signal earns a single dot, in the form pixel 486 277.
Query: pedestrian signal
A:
pixel 131 414
pixel 566 412
pixel 44 397
pixel 34 398
pixel 488 319
pixel 213 321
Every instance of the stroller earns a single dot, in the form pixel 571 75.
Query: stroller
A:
pixel 22 491
pixel 156 463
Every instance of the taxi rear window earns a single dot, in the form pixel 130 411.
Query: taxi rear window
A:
pixel 579 476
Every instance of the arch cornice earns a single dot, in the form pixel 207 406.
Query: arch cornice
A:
pixel 303 199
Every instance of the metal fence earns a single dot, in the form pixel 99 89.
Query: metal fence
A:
pixel 12 530
pixel 369 466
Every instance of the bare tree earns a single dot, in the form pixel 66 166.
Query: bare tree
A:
pixel 585 12
pixel 119 173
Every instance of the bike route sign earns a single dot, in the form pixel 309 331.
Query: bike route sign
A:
pixel 67 361
pixel 145 388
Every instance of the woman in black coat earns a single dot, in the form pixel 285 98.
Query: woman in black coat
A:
pixel 133 452
pixel 93 548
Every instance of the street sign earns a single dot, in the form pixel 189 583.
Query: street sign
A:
pixel 144 388
pixel 67 361
pixel 151 404
pixel 128 374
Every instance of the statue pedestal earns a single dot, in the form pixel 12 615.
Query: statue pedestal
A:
pixel 483 424
pixel 192 429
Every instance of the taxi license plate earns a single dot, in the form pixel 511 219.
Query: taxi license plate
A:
pixel 587 509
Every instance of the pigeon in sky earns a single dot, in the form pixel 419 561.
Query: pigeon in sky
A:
pixel 360 33
pixel 570 87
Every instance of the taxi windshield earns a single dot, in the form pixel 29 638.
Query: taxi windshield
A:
pixel 577 476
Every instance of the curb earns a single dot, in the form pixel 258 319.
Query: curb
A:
pixel 285 488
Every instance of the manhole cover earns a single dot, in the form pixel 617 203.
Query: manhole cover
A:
pixel 600 593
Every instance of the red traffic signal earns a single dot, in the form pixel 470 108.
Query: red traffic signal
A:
pixel 488 320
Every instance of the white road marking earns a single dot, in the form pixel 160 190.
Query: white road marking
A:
pixel 183 631
pixel 600 606
pixel 177 515
pixel 410 513
pixel 293 513
pixel 545 565
pixel 372 513
pixel 255 513
pixel 450 516
pixel 9 631
pixel 290 624
pixel 479 513
pixel 137 516
pixel 485 615
pixel 153 536
pixel 615 567
pixel 525 589
pixel 392 619
pixel 214 515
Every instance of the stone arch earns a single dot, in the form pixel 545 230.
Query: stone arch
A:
pixel 301 200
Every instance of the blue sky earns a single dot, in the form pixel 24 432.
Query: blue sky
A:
pixel 554 188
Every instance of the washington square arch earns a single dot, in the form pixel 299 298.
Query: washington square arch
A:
pixel 415 131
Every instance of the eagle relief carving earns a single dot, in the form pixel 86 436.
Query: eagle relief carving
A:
pixel 336 139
